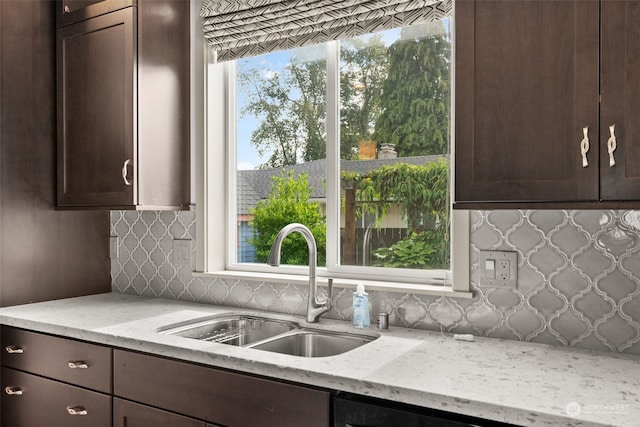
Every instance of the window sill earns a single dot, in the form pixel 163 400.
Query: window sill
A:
pixel 370 285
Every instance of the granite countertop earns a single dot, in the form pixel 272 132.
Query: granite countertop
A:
pixel 521 383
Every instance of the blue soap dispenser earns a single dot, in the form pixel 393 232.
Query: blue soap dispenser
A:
pixel 360 308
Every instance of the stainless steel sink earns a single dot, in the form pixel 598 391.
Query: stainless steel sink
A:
pixel 312 343
pixel 261 333
pixel 233 330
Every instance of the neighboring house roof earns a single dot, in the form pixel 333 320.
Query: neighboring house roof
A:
pixel 254 185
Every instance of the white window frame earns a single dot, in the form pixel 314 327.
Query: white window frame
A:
pixel 215 195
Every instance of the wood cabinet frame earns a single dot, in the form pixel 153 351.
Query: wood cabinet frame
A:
pixel 529 77
pixel 124 109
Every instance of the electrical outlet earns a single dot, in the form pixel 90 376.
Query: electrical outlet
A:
pixel 114 247
pixel 503 270
pixel 181 252
pixel 499 269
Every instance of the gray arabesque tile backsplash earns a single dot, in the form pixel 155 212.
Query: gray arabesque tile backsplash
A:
pixel 578 278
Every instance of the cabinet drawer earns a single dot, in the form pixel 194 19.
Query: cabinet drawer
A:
pixel 39 402
pixel 129 414
pixel 75 362
pixel 217 396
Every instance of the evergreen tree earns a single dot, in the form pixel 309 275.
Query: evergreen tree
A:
pixel 416 93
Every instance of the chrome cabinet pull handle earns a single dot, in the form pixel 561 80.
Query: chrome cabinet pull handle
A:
pixel 612 144
pixel 79 364
pixel 66 9
pixel 124 172
pixel 76 410
pixel 13 391
pixel 12 349
pixel 584 146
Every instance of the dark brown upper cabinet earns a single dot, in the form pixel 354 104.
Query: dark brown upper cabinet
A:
pixel 620 105
pixel 72 11
pixel 123 108
pixel 533 83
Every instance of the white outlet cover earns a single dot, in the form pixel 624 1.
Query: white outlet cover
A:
pixel 114 247
pixel 494 279
pixel 181 252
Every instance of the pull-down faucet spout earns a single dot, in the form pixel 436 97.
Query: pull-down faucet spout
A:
pixel 315 309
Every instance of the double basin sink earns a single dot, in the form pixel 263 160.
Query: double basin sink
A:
pixel 264 333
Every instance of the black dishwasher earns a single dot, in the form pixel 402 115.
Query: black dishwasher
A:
pixel 351 410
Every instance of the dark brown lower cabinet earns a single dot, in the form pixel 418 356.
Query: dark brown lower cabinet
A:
pixel 217 396
pixel 50 381
pixel 129 414
pixel 74 362
pixel 32 401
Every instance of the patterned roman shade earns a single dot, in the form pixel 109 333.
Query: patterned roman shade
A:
pixel 241 28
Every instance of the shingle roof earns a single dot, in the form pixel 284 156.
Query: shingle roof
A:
pixel 254 185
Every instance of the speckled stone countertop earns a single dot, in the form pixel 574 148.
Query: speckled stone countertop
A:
pixel 521 383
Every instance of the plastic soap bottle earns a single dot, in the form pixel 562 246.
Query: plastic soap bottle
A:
pixel 360 308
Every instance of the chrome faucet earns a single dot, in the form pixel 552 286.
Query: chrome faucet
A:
pixel 315 309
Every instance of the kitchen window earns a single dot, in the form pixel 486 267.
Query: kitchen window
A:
pixel 351 138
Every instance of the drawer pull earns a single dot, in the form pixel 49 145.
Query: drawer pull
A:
pixel 584 146
pixel 13 391
pixel 79 364
pixel 125 172
pixel 76 410
pixel 612 144
pixel 12 349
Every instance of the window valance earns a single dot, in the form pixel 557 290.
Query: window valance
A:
pixel 241 28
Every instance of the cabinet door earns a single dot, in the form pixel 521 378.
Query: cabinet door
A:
pixel 31 401
pixel 620 100
pixel 526 86
pixel 70 11
pixel 96 111
pixel 129 414
pixel 217 396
